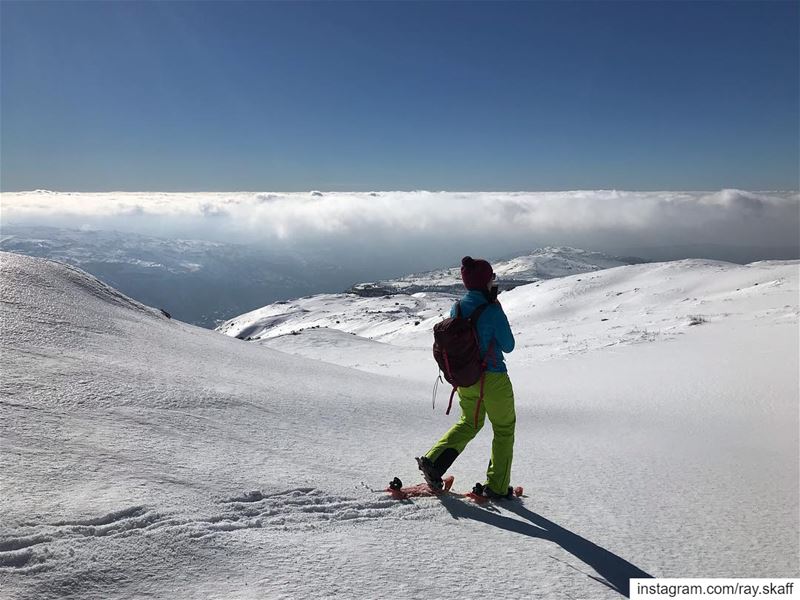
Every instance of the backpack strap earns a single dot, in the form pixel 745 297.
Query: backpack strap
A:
pixel 473 321
pixel 480 398
pixel 450 404
pixel 483 378
pixel 476 314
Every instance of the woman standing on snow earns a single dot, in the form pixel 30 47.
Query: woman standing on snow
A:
pixel 494 338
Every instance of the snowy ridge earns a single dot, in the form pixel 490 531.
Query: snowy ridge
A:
pixel 145 457
pixel 63 291
pixel 547 263
pixel 543 263
pixel 384 318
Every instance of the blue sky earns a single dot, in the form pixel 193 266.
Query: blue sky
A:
pixel 358 96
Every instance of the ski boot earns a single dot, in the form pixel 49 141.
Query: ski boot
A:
pixel 432 477
pixel 484 491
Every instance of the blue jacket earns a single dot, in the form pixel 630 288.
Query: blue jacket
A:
pixel 492 325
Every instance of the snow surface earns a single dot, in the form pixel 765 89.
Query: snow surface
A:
pixel 143 457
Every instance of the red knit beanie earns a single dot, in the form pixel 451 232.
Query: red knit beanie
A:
pixel 475 273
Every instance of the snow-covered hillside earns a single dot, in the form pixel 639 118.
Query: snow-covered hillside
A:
pixel 543 263
pixel 142 457
pixel 559 317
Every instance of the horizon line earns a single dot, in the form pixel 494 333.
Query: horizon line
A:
pixel 407 191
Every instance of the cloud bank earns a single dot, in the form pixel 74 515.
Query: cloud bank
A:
pixel 414 225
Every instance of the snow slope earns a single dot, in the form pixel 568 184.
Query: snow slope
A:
pixel 143 457
pixel 385 318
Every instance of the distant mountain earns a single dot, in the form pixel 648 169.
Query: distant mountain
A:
pixel 197 281
pixel 406 308
pixel 544 263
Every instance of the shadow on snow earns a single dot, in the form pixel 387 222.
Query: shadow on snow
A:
pixel 614 570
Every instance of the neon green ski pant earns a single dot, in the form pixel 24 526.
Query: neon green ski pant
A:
pixel 498 404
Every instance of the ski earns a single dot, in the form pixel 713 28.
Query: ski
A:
pixel 398 491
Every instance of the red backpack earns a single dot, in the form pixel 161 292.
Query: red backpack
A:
pixel 457 352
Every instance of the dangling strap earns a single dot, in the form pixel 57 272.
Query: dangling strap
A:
pixel 450 374
pixel 436 388
pixel 450 404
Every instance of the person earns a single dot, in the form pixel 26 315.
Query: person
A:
pixel 494 337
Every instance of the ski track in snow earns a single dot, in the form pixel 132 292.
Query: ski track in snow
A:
pixel 32 547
